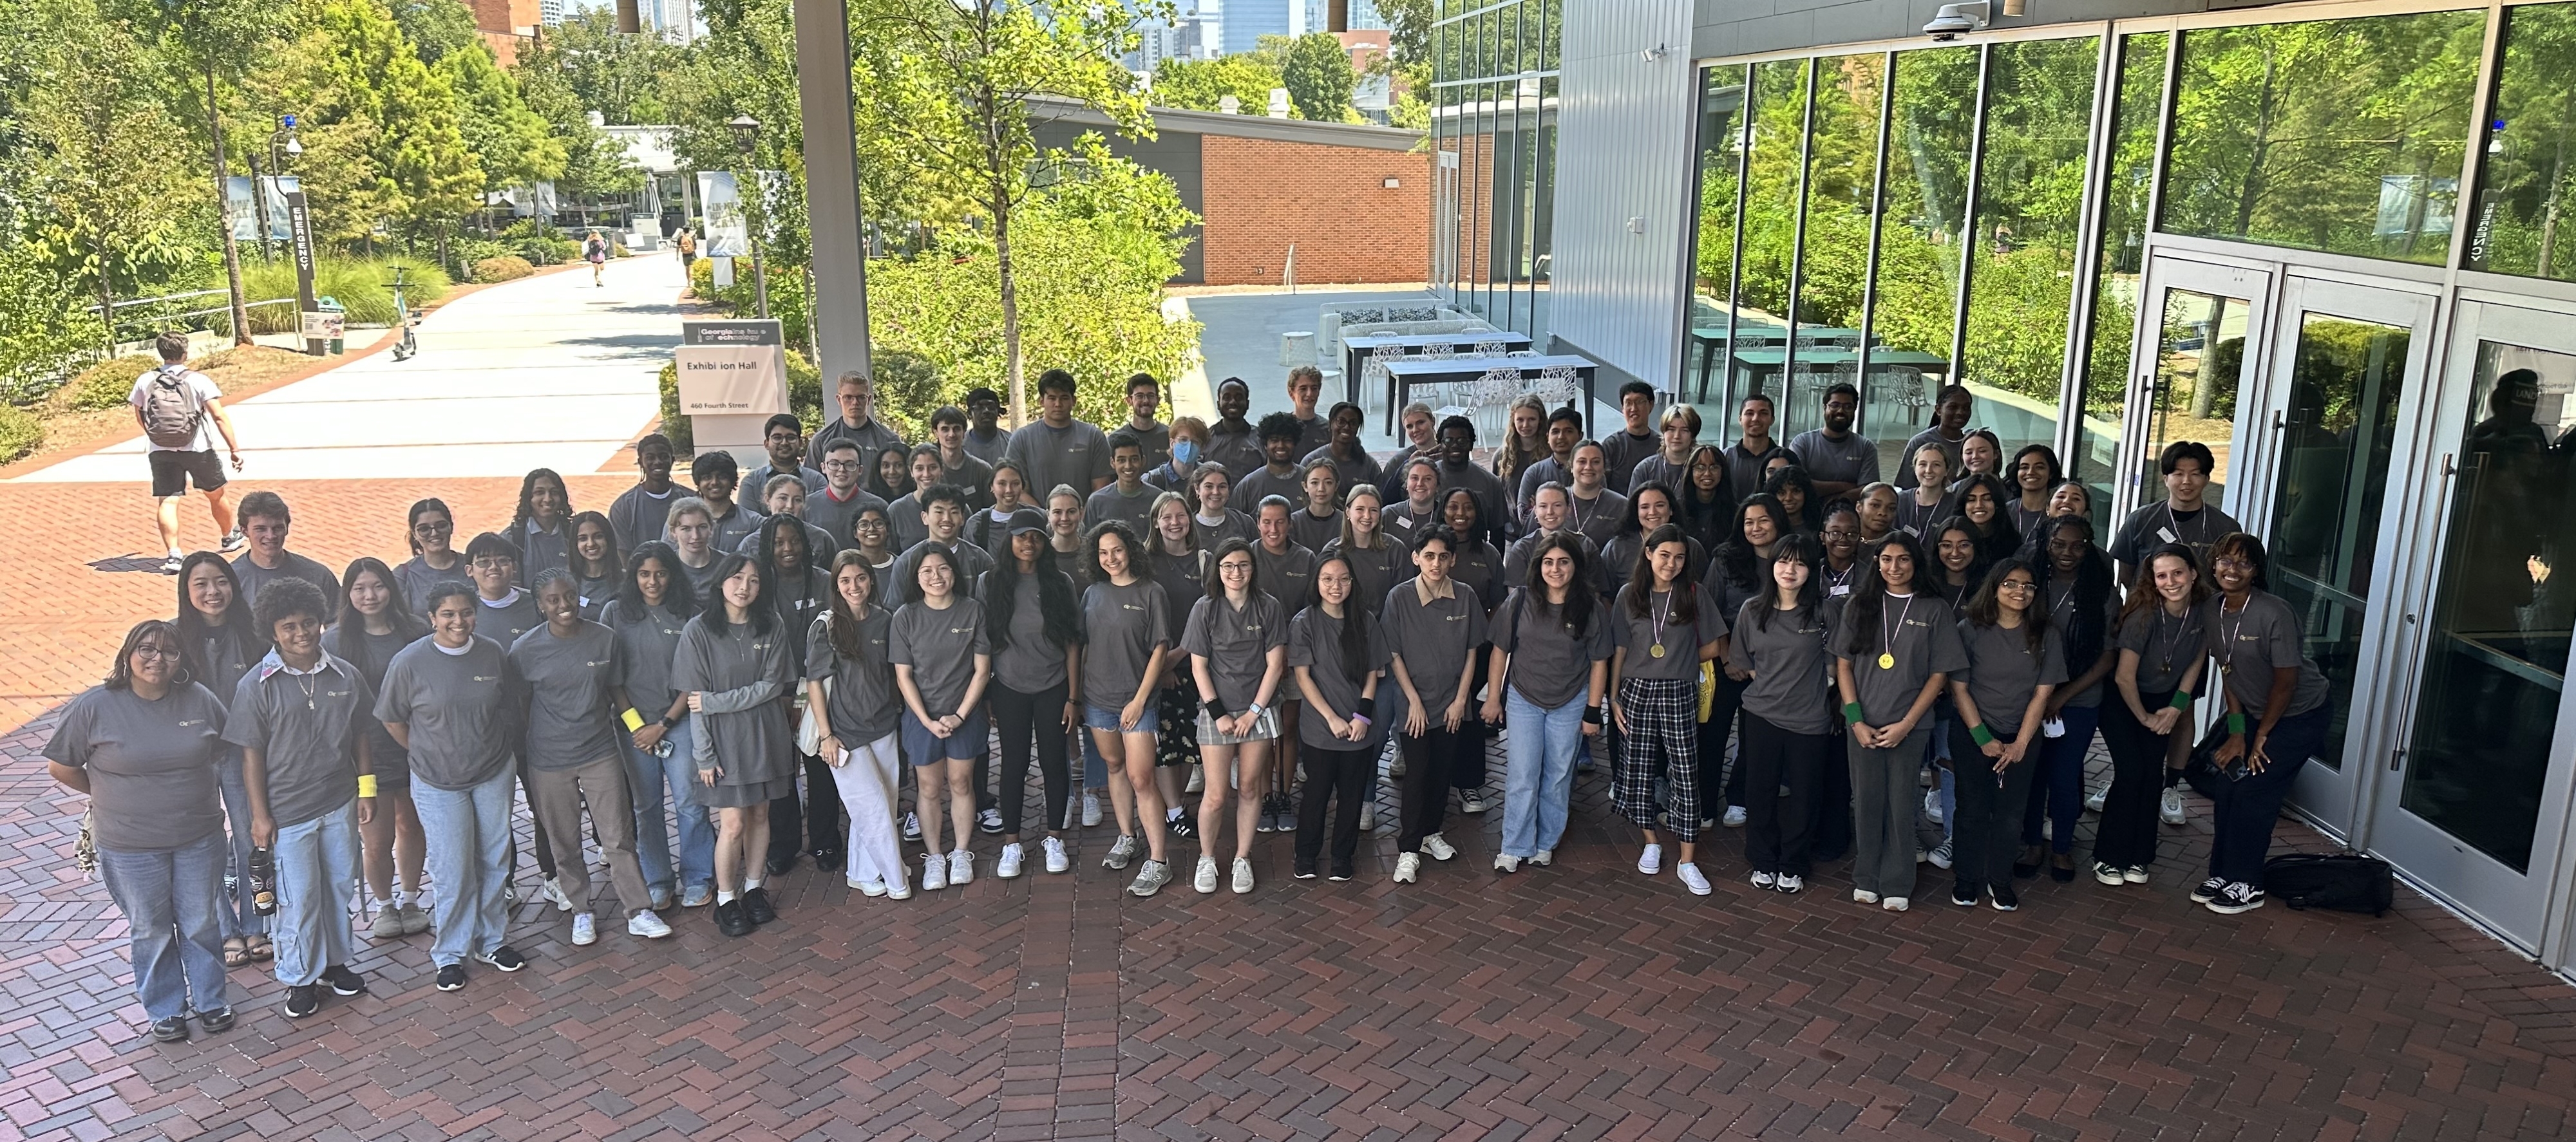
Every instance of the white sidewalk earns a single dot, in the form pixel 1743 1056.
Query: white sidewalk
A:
pixel 546 372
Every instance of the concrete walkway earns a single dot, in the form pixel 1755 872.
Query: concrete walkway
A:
pixel 547 372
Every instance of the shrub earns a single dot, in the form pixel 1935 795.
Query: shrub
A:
pixel 20 432
pixel 358 284
pixel 502 269
pixel 108 384
pixel 45 331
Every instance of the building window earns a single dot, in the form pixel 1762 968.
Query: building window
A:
pixel 1494 106
pixel 2520 225
pixel 2126 181
pixel 1931 124
pixel 1721 153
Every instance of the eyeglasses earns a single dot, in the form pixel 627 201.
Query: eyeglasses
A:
pixel 492 562
pixel 162 653
pixel 2232 564
pixel 434 525
pixel 2016 585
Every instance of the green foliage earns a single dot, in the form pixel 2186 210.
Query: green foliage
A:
pixel 502 269
pixel 593 163
pixel 107 384
pixel 1202 85
pixel 436 27
pixel 106 188
pixel 367 70
pixel 1319 78
pixel 622 77
pixel 514 145
pixel 2531 165
pixel 20 432
pixel 358 284
pixel 44 325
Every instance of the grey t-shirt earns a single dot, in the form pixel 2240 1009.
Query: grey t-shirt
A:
pixel 1262 483
pixel 1121 626
pixel 308 740
pixel 253 576
pixel 1155 436
pixel 1930 436
pixel 152 765
pixel 1923 638
pixel 1516 563
pixel 1029 662
pixel 648 643
pixel 1374 571
pixel 637 515
pixel 1681 641
pixel 1550 660
pixel 1745 467
pixel 541 550
pixel 2003 671
pixel 1656 469
pixel 1433 637
pixel 1288 576
pixel 416 577
pixel 988 448
pixel 569 719
pixel 2250 644
pixel 2166 646
pixel 940 646
pixel 2061 616
pixel 457 709
pixel 1311 531
pixel 505 622
pixel 903 584
pixel 748 493
pixel 872 438
pixel 1363 469
pixel 1076 454
pixel 1137 510
pixel 865 704
pixel 1785 652
pixel 1850 460
pixel 1237 641
pixel 903 521
pixel 1598 518
pixel 1620 452
pixel 835 516
pixel 371 654
pixel 1315 642
pixel 2157 524
pixel 1480 568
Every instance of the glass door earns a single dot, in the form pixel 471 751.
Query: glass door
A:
pixel 2474 798
pixel 2198 320
pixel 2339 412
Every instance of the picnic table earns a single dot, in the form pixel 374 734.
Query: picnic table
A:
pixel 1402 373
pixel 1356 351
pixel 1752 334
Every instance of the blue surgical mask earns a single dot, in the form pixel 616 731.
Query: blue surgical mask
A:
pixel 1185 451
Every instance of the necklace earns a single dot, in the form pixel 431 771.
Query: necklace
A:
pixel 1887 634
pixel 308 681
pixel 2172 643
pixel 2227 642
pixel 1662 611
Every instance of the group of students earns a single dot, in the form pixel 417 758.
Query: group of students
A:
pixel 1197 608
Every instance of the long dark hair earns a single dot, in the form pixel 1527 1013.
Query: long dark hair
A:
pixel 844 628
pixel 1641 581
pixel 421 507
pixel 1127 535
pixel 1737 556
pixel 406 624
pixel 1999 537
pixel 770 530
pixel 572 545
pixel 712 607
pixel 1978 559
pixel 192 627
pixel 876 473
pixel 1805 549
pixel 2084 632
pixel 2056 471
pixel 1579 600
pixel 120 674
pixel 1353 642
pixel 1985 610
pixel 1058 611
pixel 527 490
pixel 1811 509
pixel 1628 524
pixel 1228 546
pixel 1705 514
pixel 676 596
pixel 2142 594
pixel 1861 614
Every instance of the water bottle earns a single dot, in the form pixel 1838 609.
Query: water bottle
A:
pixel 263 882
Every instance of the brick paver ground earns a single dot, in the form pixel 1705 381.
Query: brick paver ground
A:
pixel 1578 1002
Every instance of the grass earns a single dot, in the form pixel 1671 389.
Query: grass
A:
pixel 358 284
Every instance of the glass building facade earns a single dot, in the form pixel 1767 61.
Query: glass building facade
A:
pixel 1493 130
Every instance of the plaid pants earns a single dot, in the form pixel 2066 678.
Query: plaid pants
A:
pixel 1663 719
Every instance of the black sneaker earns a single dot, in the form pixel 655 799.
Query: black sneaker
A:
pixel 1341 870
pixel 234 541
pixel 451 978
pixel 504 958
pixel 2237 897
pixel 1305 871
pixel 730 920
pixel 756 907
pixel 781 867
pixel 301 1000
pixel 1964 895
pixel 217 1021
pixel 2208 890
pixel 1179 827
pixel 2006 899
pixel 171 1030
pixel 343 981
pixel 829 860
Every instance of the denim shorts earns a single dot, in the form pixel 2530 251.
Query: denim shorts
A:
pixel 1106 718
pixel 921 748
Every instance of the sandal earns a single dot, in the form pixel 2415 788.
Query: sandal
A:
pixel 236 953
pixel 261 949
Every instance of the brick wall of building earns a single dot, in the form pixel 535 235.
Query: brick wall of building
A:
pixel 503 24
pixel 1258 196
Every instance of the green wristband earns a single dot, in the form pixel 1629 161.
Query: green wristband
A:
pixel 1851 712
pixel 2181 700
pixel 2236 724
pixel 1981 735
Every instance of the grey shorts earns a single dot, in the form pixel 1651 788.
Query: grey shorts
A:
pixel 1264 728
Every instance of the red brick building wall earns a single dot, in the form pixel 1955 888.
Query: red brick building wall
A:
pixel 1258 196
pixel 503 24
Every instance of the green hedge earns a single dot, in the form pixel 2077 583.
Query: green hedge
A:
pixel 508 267
pixel 108 384
pixel 357 283
pixel 20 432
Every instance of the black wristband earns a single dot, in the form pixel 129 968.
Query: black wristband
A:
pixel 1592 715
pixel 1213 707
pixel 669 721
pixel 1364 707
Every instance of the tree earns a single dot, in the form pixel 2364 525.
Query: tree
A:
pixel 970 77
pixel 217 42
pixel 424 172
pixel 1319 78
pixel 436 27
pixel 593 163
pixel 1202 85
pixel 619 75
pixel 514 145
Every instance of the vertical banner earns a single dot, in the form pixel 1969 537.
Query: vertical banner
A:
pixel 300 226
pixel 241 216
pixel 728 232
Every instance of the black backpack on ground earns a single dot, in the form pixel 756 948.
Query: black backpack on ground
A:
pixel 2344 882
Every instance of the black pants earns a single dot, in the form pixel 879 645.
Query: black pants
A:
pixel 1779 831
pixel 1987 835
pixel 1833 815
pixel 1024 720
pixel 1723 721
pixel 817 815
pixel 2127 835
pixel 1342 775
pixel 1467 770
pixel 1429 762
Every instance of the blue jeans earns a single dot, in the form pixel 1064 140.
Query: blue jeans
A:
pixel 2061 776
pixel 317 860
pixel 170 900
pixel 467 832
pixel 236 916
pixel 1945 783
pixel 651 776
pixel 1538 775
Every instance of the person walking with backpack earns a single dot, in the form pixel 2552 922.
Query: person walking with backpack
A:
pixel 173 404
pixel 594 250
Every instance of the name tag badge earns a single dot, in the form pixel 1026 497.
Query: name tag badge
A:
pixel 2166 534
pixel 1840 589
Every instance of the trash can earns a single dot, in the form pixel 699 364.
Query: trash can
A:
pixel 328 304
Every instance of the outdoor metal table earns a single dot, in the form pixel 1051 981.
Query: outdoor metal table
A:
pixel 1403 373
pixel 1760 363
pixel 1356 351
pixel 1712 338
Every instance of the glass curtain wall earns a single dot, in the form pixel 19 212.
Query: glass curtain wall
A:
pixel 2529 182
pixel 1718 174
pixel 2127 185
pixel 1931 130
pixel 1494 97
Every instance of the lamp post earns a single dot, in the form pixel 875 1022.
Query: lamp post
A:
pixel 277 152
pixel 746 134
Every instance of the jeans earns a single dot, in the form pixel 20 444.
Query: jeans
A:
pixel 1778 831
pixel 1538 774
pixel 1981 848
pixel 1885 797
pixel 236 916
pixel 2061 779
pixel 170 900
pixel 1344 777
pixel 867 783
pixel 2126 836
pixel 2241 825
pixel 317 860
pixel 1030 721
pixel 648 778
pixel 468 836
pixel 1945 788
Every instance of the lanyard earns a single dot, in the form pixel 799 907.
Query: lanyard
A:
pixel 1887 633
pixel 1658 616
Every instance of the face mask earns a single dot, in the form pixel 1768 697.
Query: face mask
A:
pixel 1185 451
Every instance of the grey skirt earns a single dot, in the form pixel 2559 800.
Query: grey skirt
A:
pixel 725 796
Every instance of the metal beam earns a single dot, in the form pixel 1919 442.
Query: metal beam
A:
pixel 839 319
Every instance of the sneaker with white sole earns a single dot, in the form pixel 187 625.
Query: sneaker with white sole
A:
pixel 172 565
pixel 1408 868
pixel 2134 874
pixel 961 867
pixel 1121 851
pixel 1765 880
pixel 1204 880
pixel 1438 847
pixel 554 892
pixel 1864 896
pixel 1734 818
pixel 1692 878
pixel 2107 874
pixel 900 888
pixel 2093 800
pixel 2237 897
pixel 1008 868
pixel 912 826
pixel 989 820
pixel 1791 883
pixel 1151 878
pixel 388 924
pixel 1090 811
pixel 1368 816
pixel 696 896
pixel 1242 881
pixel 2208 890
pixel 1506 862
pixel 1057 860
pixel 934 872
pixel 868 888
pixel 1471 802
pixel 650 926
pixel 1932 805
pixel 1942 855
pixel 1650 860
pixel 1895 903
pixel 2170 807
pixel 585 930
pixel 1543 858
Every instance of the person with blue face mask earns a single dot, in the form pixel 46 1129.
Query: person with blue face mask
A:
pixel 1189 446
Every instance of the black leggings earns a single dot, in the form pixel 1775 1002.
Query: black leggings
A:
pixel 1333 773
pixel 2127 837
pixel 1779 831
pixel 1021 719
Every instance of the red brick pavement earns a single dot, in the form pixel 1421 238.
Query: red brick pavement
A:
pixel 1576 1002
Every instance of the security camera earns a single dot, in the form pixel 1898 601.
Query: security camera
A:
pixel 1956 20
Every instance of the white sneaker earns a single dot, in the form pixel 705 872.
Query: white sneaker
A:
pixel 1121 851
pixel 2171 806
pixel 1765 880
pixel 1506 862
pixel 651 927
pixel 912 826
pixel 1543 857
pixel 1864 896
pixel 1894 903
pixel 934 872
pixel 1396 768
pixel 1790 883
pixel 1650 860
pixel 1008 868
pixel 1471 802
pixel 1205 879
pixel 1242 875
pixel 1691 878
pixel 868 888
pixel 1368 816
pixel 900 888
pixel 1734 816
pixel 1090 811
pixel 1056 858
pixel 1198 778
pixel 1932 805
pixel 961 867
pixel 2093 800
pixel 585 929
pixel 1408 866
pixel 554 891
pixel 2134 874
pixel 1438 846
pixel 1942 856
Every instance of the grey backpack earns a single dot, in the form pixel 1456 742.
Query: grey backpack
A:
pixel 171 414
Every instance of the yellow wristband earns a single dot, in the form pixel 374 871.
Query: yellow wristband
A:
pixel 366 785
pixel 634 721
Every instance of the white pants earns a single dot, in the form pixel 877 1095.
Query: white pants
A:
pixel 868 780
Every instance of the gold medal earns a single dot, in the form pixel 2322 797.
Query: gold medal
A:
pixel 1656 651
pixel 1887 662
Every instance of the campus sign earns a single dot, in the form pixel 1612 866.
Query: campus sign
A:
pixel 732 368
